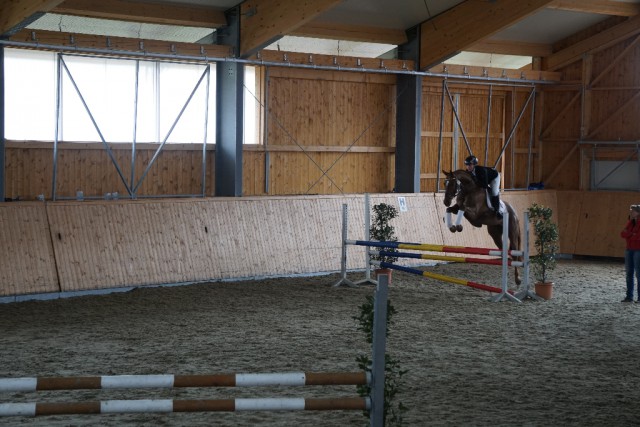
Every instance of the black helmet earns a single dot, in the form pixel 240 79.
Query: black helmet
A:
pixel 471 160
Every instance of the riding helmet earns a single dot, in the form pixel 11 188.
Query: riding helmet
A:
pixel 471 160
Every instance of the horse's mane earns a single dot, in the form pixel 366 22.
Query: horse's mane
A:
pixel 466 179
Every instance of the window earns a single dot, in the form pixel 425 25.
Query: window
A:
pixel 30 108
pixel 120 100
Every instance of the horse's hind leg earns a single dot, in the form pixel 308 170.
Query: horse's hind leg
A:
pixel 495 231
pixel 514 239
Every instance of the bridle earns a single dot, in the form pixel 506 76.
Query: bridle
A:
pixel 458 186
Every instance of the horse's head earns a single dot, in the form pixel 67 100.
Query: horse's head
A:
pixel 451 187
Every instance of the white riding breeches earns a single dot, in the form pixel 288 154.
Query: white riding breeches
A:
pixel 495 186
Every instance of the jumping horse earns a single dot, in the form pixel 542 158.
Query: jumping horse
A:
pixel 471 200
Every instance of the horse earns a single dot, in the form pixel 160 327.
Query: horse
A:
pixel 471 200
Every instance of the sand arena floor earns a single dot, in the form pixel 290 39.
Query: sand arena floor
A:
pixel 572 360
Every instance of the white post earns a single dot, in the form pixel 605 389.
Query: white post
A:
pixel 526 292
pixel 505 263
pixel 367 237
pixel 343 258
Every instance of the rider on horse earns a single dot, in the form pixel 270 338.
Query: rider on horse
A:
pixel 488 178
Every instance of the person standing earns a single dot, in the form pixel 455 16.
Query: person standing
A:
pixel 488 178
pixel 631 233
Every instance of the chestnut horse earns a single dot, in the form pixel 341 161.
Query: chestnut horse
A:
pixel 471 199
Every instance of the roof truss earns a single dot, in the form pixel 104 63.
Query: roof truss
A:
pixel 167 14
pixel 604 7
pixel 460 27
pixel 265 21
pixel 17 14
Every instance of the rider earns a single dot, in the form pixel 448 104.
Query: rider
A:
pixel 486 177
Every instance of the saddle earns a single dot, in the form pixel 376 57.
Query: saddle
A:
pixel 503 208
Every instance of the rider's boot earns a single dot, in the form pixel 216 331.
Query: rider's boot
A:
pixel 495 203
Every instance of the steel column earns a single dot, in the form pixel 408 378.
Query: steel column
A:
pixel 408 134
pixel 229 129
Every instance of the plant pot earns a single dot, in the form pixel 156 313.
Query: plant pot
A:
pixel 544 290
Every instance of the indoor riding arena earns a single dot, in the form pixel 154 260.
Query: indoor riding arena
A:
pixel 188 229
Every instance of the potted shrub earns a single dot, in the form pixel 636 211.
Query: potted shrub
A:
pixel 546 244
pixel 382 231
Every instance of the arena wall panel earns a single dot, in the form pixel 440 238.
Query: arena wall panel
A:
pixel 103 244
pixel 27 263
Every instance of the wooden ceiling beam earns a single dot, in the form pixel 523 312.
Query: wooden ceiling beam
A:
pixel 120 47
pixel 356 33
pixel 593 44
pixel 463 25
pixel 152 13
pixel 604 7
pixel 511 48
pixel 17 14
pixel 264 21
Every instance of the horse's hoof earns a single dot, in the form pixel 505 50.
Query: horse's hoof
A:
pixel 453 228
pixel 458 227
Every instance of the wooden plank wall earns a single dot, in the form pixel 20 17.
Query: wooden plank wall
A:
pixel 473 110
pixel 598 102
pixel 72 245
pixel 103 244
pixel 326 133
pixel 27 263
pixel 88 168
pixel 329 132
pixel 591 222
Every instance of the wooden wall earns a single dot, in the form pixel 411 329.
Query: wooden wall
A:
pixel 599 102
pixel 326 133
pixel 71 246
pixel 88 168
pixel 329 132
pixel 27 260
pixel 590 222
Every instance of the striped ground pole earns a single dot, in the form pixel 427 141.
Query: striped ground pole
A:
pixel 441 277
pixel 170 381
pixel 448 258
pixel 434 248
pixel 167 405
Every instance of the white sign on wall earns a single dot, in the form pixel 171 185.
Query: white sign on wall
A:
pixel 402 202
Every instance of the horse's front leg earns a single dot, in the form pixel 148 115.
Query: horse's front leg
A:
pixel 459 217
pixel 459 214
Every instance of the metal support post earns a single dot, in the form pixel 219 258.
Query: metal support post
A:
pixel 343 258
pixel 526 292
pixel 505 262
pixel 378 351
pixel 367 237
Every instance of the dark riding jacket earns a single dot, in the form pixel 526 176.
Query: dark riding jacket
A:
pixel 631 233
pixel 484 175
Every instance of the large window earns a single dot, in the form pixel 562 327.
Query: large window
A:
pixel 30 95
pixel 115 100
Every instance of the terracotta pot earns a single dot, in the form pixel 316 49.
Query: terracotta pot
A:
pixel 544 290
